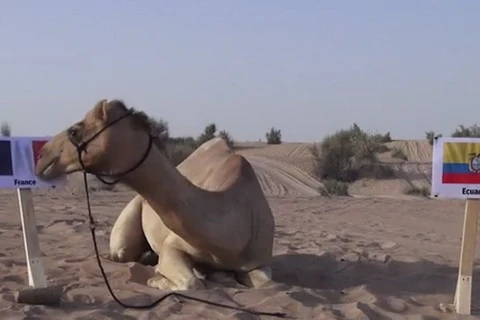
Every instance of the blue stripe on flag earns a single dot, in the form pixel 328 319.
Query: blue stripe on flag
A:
pixel 456 168
pixel 6 165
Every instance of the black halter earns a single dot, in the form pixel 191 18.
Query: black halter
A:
pixel 81 147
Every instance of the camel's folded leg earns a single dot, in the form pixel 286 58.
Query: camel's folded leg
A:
pixel 176 268
pixel 127 240
pixel 256 278
pixel 159 282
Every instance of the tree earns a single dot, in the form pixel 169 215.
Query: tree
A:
pixel 473 131
pixel 159 129
pixel 274 136
pixel 5 129
pixel 430 136
pixel 208 133
pixel 347 154
pixel 228 138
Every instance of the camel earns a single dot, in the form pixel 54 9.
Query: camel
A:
pixel 210 211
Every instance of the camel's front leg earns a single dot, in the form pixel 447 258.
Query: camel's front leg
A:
pixel 175 270
pixel 127 240
pixel 159 282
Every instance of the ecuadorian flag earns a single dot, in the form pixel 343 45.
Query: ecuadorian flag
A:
pixel 460 162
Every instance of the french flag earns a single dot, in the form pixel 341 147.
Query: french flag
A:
pixel 18 157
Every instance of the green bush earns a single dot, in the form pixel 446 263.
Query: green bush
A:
pixel 274 136
pixel 347 154
pixel 208 134
pixel 382 138
pixel 462 131
pixel 417 191
pixel 430 136
pixel 399 154
pixel 378 170
pixel 5 129
pixel 228 138
pixel 334 187
pixel 472 131
pixel 178 149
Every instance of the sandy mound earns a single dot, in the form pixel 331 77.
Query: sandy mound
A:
pixel 282 179
pixel 339 258
pixel 283 170
pixel 287 169
pixel 417 151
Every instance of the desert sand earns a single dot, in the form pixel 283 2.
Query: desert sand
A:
pixel 378 254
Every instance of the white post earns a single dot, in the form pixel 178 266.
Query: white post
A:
pixel 463 293
pixel 36 273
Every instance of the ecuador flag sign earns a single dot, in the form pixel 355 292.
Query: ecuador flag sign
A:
pixel 18 157
pixel 456 168
pixel 461 162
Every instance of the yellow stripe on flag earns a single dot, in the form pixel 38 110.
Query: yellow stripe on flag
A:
pixel 459 152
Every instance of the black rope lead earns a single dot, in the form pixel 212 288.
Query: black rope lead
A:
pixel 170 294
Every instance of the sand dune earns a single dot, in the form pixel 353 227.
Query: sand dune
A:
pixel 283 170
pixel 282 179
pixel 415 150
pixel 287 169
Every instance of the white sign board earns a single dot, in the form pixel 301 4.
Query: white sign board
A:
pixel 18 156
pixel 456 168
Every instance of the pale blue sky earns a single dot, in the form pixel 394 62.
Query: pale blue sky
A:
pixel 306 67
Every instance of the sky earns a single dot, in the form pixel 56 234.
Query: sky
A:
pixel 306 67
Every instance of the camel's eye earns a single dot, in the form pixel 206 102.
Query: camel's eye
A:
pixel 72 133
pixel 75 133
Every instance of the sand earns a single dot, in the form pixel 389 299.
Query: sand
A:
pixel 385 257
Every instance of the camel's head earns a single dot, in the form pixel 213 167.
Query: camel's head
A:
pixel 110 133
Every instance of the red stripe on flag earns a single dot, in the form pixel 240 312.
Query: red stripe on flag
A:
pixel 36 146
pixel 461 178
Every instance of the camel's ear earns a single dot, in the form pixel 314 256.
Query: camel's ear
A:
pixel 100 110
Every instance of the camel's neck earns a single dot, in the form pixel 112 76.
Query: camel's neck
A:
pixel 158 181
pixel 172 196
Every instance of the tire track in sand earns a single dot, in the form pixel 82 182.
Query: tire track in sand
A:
pixel 281 179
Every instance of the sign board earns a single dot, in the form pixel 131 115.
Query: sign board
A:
pixel 456 168
pixel 18 156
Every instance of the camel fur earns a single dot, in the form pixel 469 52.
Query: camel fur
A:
pixel 208 211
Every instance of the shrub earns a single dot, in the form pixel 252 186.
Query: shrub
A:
pixel 399 154
pixel 274 136
pixel 430 136
pixel 382 138
pixel 462 131
pixel 336 160
pixel 160 129
pixel 347 154
pixel 178 149
pixel 5 129
pixel 417 191
pixel 379 170
pixel 208 134
pixel 334 187
pixel 228 138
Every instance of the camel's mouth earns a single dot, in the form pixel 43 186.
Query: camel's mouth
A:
pixel 46 172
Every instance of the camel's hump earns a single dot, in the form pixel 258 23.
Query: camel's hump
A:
pixel 213 166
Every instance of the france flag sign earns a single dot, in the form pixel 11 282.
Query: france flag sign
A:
pixel 18 157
